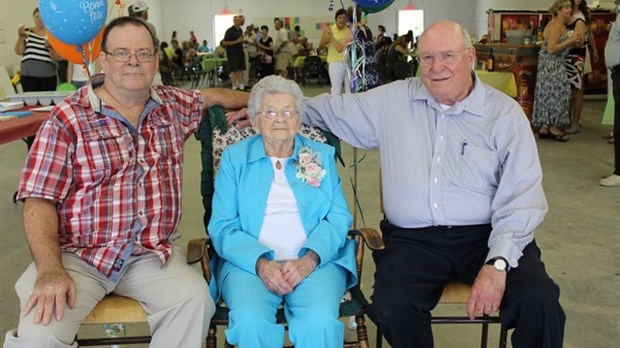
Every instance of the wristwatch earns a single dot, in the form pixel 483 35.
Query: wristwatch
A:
pixel 500 264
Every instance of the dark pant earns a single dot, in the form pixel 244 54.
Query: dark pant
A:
pixel 32 84
pixel 615 77
pixel 417 263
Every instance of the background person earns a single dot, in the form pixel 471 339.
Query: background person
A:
pixel 336 38
pixel 552 94
pixel 233 43
pixel 576 59
pixel 280 49
pixel 140 10
pixel 102 208
pixel 612 60
pixel 250 52
pixel 265 46
pixel 77 74
pixel 395 59
pixel 204 47
pixel 37 67
pixel 280 228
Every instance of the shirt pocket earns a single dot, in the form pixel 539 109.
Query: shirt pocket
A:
pixel 108 149
pixel 474 169
pixel 166 140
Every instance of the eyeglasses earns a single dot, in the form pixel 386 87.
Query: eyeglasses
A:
pixel 273 113
pixel 447 58
pixel 123 56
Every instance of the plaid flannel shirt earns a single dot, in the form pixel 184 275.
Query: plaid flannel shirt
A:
pixel 117 187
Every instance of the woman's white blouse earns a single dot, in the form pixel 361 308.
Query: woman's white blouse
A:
pixel 282 229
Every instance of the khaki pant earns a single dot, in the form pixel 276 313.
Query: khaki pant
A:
pixel 175 297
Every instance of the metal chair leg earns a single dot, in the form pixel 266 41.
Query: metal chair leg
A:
pixel 379 340
pixel 485 335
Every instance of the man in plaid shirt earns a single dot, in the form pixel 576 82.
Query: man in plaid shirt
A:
pixel 102 191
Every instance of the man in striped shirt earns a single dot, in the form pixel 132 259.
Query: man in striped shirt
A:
pixel 102 190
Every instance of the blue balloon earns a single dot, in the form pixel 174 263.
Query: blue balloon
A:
pixel 370 4
pixel 377 8
pixel 74 22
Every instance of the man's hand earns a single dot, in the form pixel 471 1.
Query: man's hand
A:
pixel 52 290
pixel 297 270
pixel 487 292
pixel 270 272
pixel 239 119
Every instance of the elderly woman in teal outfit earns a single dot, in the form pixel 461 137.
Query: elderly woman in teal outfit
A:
pixel 279 227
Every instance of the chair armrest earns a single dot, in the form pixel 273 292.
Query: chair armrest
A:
pixel 371 237
pixel 197 252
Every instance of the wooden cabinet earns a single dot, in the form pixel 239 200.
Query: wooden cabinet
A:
pixel 521 61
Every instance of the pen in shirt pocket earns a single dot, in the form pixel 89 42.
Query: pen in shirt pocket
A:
pixel 463 146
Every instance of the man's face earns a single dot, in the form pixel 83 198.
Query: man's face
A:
pixel 277 25
pixel 132 75
pixel 447 82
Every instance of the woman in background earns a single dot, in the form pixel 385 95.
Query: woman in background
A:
pixel 396 59
pixel 265 44
pixel 575 60
pixel 38 67
pixel 336 38
pixel 552 94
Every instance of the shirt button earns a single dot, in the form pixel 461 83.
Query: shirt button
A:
pixel 439 159
pixel 435 205
pixel 436 180
pixel 441 138
pixel 141 213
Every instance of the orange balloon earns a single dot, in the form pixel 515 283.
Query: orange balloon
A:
pixel 71 52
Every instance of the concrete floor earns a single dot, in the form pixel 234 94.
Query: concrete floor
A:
pixel 580 237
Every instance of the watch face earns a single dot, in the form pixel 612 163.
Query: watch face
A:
pixel 500 265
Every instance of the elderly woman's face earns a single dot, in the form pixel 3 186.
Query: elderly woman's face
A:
pixel 278 118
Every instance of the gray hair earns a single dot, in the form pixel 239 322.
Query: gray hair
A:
pixel 273 84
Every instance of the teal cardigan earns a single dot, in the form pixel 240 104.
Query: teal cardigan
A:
pixel 242 186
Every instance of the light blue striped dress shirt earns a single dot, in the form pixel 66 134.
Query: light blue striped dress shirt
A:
pixel 474 163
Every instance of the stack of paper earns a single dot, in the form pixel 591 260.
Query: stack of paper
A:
pixel 6 106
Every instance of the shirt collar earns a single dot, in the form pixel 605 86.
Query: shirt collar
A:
pixel 473 103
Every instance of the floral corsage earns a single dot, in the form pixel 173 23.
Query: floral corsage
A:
pixel 309 168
